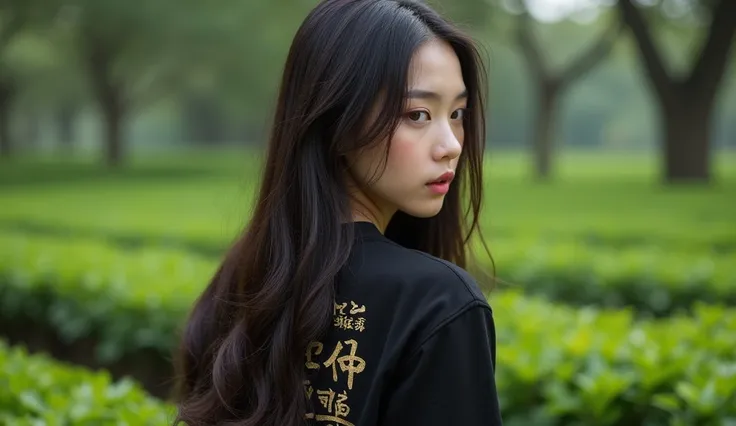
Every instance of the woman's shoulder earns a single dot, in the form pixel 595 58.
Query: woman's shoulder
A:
pixel 450 277
pixel 406 270
pixel 411 287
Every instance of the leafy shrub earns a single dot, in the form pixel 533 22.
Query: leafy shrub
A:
pixel 126 300
pixel 682 235
pixel 192 240
pixel 557 365
pixel 649 279
pixel 36 390
pixel 81 283
pixel 563 366
pixel 195 236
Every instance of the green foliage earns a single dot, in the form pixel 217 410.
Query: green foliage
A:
pixel 564 366
pixel 79 284
pixel 128 299
pixel 36 390
pixel 177 50
pixel 557 365
pixel 125 301
pixel 650 279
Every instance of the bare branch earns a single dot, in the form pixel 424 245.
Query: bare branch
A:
pixel 591 57
pixel 530 48
pixel 709 67
pixel 656 71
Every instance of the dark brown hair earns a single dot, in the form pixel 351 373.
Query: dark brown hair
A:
pixel 242 352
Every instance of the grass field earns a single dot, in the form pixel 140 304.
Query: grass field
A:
pixel 206 197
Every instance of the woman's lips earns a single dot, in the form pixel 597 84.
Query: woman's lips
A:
pixel 440 188
pixel 441 185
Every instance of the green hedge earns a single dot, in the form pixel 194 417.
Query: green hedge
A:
pixel 649 279
pixel 557 365
pixel 36 390
pixel 194 240
pixel 652 281
pixel 125 300
pixel 720 238
pixel 137 230
pixel 563 366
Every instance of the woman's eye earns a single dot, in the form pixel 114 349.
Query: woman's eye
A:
pixel 418 116
pixel 458 114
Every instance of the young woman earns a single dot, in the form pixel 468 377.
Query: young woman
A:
pixel 345 302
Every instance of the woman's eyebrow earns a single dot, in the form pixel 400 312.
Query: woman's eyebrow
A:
pixel 426 94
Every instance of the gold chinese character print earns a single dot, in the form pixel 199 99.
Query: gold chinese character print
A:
pixel 360 324
pixel 351 364
pixel 341 407
pixel 336 406
pixel 344 322
pixel 314 348
pixel 326 398
pixel 339 307
pixel 348 321
pixel 355 309
pixel 330 402
pixel 308 388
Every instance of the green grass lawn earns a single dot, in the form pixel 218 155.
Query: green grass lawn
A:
pixel 206 196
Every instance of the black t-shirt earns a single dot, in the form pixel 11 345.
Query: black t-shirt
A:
pixel 412 343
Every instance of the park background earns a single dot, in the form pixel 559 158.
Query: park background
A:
pixel 131 138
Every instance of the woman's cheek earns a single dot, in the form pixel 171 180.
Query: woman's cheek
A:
pixel 403 149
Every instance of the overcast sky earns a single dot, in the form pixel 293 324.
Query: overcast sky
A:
pixel 554 10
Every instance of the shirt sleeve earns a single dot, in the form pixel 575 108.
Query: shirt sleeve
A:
pixel 450 379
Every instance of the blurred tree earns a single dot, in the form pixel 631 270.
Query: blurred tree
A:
pixel 134 53
pixel 65 117
pixel 686 102
pixel 469 14
pixel 63 83
pixel 48 79
pixel 550 85
pixel 7 93
pixel 204 119
pixel 236 80
pixel 15 17
pixel 235 77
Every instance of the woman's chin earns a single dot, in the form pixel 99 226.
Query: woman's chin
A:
pixel 430 209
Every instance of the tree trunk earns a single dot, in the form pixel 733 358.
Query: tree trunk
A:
pixel 551 84
pixel 31 131
pixel 65 118
pixel 686 143
pixel 6 99
pixel 545 126
pixel 113 113
pixel 110 98
pixel 686 103
pixel 6 146
pixel 204 122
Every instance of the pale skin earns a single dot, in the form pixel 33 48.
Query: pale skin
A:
pixel 427 143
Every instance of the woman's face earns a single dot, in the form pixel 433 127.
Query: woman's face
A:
pixel 426 145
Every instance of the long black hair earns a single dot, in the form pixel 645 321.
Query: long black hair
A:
pixel 242 353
